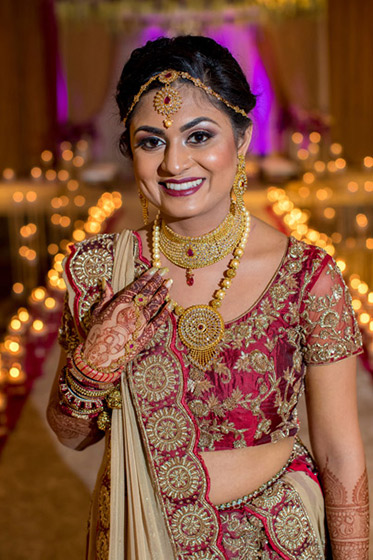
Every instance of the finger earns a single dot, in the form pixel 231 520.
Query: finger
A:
pixel 107 295
pixel 157 300
pixel 147 284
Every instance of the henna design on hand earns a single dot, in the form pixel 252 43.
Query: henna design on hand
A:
pixel 348 518
pixel 121 327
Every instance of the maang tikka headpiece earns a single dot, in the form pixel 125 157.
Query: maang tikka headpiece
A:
pixel 168 100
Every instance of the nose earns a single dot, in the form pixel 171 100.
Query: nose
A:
pixel 175 159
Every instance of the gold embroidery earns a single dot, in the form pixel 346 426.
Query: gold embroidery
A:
pixel 244 536
pixel 167 429
pixel 179 478
pixel 192 525
pixel 154 378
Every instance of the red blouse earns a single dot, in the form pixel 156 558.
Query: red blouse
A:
pixel 250 394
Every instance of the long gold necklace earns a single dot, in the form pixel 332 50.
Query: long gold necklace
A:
pixel 201 327
pixel 197 252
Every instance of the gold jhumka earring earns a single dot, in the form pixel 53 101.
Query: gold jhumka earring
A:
pixel 240 182
pixel 144 207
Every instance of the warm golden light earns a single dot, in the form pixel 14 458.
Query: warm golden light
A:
pixel 364 318
pixel 319 166
pixel 56 202
pixel 63 175
pixel 13 347
pixel 297 137
pixel 65 221
pixel 38 294
pixel 369 243
pixel 370 297
pixel 18 288
pixel 50 303
pixel 78 161
pixel 315 137
pixel 329 213
pixel 65 145
pixel 331 166
pixel 36 172
pixel 336 149
pixel 368 186
pixel 52 248
pixel 67 155
pixel 8 174
pixel 309 178
pixel 363 288
pixel 55 219
pixel 79 200
pixel 356 304
pixel 313 148
pixel 336 237
pixel 355 282
pixel 304 192
pixel 340 163
pixel 31 255
pixel 322 194
pixel 362 220
pixel 78 235
pixel 368 162
pixel 15 372
pixel 38 325
pixel 82 145
pixel 72 185
pixel 352 186
pixel 46 156
pixel 50 175
pixel 18 196
pixel 341 264
pixel 31 196
pixel 303 154
pixel 15 324
pixel 23 314
pixel 61 284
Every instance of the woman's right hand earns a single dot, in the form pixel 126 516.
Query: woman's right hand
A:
pixel 124 323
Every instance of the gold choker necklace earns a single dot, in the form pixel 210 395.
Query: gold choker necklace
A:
pixel 201 327
pixel 198 252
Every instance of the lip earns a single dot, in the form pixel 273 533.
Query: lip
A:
pixel 180 182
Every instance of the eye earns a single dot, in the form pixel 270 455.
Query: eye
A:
pixel 150 143
pixel 199 137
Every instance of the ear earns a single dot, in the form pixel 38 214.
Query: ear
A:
pixel 244 142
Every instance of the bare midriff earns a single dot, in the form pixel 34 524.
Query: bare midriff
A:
pixel 236 472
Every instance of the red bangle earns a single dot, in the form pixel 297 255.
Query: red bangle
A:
pixel 90 372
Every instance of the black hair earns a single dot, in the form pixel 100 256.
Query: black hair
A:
pixel 202 58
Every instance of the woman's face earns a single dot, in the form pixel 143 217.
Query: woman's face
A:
pixel 187 170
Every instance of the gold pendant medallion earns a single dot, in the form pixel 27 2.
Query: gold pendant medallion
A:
pixel 201 328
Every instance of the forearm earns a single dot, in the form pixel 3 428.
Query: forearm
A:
pixel 345 485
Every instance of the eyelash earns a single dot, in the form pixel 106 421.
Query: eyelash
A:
pixel 144 143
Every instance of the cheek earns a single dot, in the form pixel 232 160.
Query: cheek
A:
pixel 221 158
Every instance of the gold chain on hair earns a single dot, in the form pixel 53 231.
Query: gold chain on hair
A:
pixel 171 100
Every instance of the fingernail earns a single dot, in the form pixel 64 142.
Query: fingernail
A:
pixel 169 283
pixel 163 271
pixel 152 270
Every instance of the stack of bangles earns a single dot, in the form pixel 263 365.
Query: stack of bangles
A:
pixel 85 392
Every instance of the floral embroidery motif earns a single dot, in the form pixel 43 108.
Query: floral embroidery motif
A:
pixel 179 478
pixel 192 525
pixel 154 378
pixel 167 429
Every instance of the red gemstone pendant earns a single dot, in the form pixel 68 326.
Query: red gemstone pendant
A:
pixel 189 277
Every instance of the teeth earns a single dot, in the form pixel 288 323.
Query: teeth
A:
pixel 183 186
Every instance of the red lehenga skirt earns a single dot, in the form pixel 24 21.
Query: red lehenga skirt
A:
pixel 282 520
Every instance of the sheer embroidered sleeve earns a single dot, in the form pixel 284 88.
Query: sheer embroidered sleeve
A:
pixel 329 328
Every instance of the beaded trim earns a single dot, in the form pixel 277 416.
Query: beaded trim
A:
pixel 248 497
pixel 169 76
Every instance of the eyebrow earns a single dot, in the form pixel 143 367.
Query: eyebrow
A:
pixel 187 126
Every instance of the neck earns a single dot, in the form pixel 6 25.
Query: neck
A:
pixel 197 225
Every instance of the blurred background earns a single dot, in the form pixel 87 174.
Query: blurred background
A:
pixel 62 179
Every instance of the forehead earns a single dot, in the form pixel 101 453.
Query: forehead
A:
pixel 194 103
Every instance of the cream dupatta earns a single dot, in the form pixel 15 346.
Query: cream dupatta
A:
pixel 137 527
